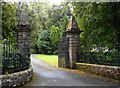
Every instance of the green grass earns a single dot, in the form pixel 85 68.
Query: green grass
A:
pixel 50 59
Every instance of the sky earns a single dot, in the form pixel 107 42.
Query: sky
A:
pixel 57 2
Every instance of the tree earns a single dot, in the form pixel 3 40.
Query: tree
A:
pixel 54 35
pixel 97 21
pixel 9 20
pixel 44 43
pixel 39 20
pixel 59 20
pixel 43 16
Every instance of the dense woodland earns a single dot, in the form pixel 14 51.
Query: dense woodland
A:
pixel 99 21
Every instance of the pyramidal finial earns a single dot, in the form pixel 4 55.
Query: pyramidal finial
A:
pixel 72 24
pixel 23 17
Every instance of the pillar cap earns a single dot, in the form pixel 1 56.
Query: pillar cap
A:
pixel 73 26
pixel 22 14
pixel 25 28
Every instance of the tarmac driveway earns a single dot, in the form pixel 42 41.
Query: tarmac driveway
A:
pixel 47 75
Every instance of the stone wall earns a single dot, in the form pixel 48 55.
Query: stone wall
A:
pixel 102 70
pixel 16 79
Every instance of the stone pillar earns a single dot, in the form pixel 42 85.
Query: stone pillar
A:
pixel 23 38
pixel 23 32
pixel 73 33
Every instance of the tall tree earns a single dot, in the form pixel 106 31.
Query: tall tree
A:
pixel 98 20
pixel 44 43
pixel 55 36
pixel 43 16
pixel 39 19
pixel 9 20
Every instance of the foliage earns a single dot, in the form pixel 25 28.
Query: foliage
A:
pixel 102 58
pixel 99 22
pixel 54 35
pixel 64 23
pixel 9 20
pixel 39 20
pixel 39 17
pixel 44 16
pixel 43 42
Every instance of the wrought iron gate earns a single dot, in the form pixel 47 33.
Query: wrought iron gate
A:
pixel 12 60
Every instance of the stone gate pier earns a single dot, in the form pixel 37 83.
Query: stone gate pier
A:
pixel 16 63
pixel 69 46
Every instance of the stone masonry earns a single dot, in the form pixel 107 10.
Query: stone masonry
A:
pixel 16 79
pixel 72 34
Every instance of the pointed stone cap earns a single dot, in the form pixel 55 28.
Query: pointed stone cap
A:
pixel 23 18
pixel 73 26
pixel 22 14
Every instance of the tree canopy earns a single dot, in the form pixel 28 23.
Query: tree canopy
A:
pixel 52 18
pixel 99 21
pixel 9 20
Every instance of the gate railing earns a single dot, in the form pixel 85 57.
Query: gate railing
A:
pixel 12 60
pixel 101 54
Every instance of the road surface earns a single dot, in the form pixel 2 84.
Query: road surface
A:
pixel 47 75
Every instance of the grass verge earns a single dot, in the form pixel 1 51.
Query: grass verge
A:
pixel 50 59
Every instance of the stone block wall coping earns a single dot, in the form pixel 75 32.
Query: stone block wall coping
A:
pixel 96 65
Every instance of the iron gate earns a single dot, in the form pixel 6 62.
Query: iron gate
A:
pixel 12 60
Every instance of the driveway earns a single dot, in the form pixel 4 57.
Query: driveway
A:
pixel 47 75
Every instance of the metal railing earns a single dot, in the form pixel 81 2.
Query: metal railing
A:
pixel 12 60
pixel 100 54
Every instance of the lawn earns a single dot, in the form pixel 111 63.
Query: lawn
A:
pixel 50 59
